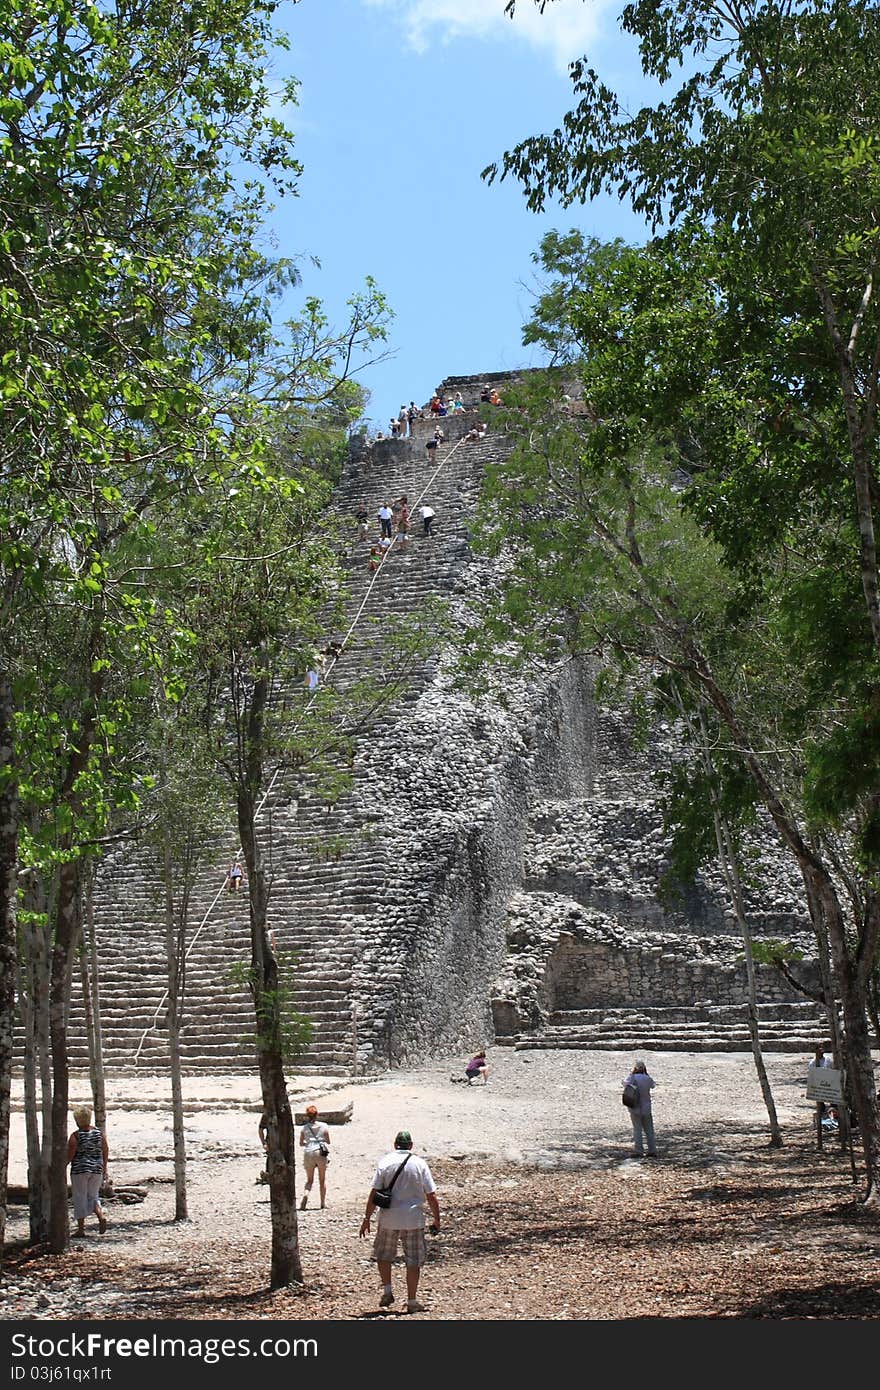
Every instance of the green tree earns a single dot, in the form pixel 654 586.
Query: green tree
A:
pixel 180 816
pixel 604 511
pixel 268 597
pixel 128 284
pixel 754 348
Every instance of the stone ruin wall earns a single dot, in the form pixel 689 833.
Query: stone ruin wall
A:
pixel 590 928
pixel 429 987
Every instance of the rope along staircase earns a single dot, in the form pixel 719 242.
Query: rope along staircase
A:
pixel 323 910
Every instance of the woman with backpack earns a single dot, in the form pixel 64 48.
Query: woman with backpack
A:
pixel 637 1089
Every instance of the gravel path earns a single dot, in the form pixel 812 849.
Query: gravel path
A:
pixel 548 1133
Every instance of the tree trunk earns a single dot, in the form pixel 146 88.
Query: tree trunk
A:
pixel 9 812
pixel 727 856
pixel 174 963
pixel 286 1267
pixel 857 1036
pixel 32 994
pixel 44 1062
pixel 874 1008
pixel 68 921
pixel 730 869
pixel 31 1125
pixel 86 987
pixel 851 975
pixel 832 1015
pixel 96 1035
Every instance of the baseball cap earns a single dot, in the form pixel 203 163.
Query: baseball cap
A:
pixel 403 1140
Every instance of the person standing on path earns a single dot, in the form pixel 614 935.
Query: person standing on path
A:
pixel 819 1058
pixel 427 514
pixel 640 1114
pixel 314 1137
pixel 385 517
pixel 87 1155
pixel 404 1220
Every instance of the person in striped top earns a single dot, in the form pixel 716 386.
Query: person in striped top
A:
pixel 87 1155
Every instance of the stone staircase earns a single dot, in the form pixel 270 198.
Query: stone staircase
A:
pixel 357 919
pixel 784 1027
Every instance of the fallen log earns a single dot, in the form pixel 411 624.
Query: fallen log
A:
pixel 127 1195
pixel 17 1194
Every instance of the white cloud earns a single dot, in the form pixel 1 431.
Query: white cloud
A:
pixel 566 29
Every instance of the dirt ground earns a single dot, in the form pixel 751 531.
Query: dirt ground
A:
pixel 545 1214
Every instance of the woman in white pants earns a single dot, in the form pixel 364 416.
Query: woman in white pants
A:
pixel 87 1155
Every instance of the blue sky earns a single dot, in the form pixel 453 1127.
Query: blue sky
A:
pixel 402 103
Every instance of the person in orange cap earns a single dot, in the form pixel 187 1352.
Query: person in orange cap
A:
pixel 314 1137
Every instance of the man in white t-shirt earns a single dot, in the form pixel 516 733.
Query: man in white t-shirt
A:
pixel 404 1220
pixel 314 1137
pixel 819 1059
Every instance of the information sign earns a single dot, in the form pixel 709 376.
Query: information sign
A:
pixel 823 1083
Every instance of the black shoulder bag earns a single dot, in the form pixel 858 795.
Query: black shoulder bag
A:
pixel 382 1195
